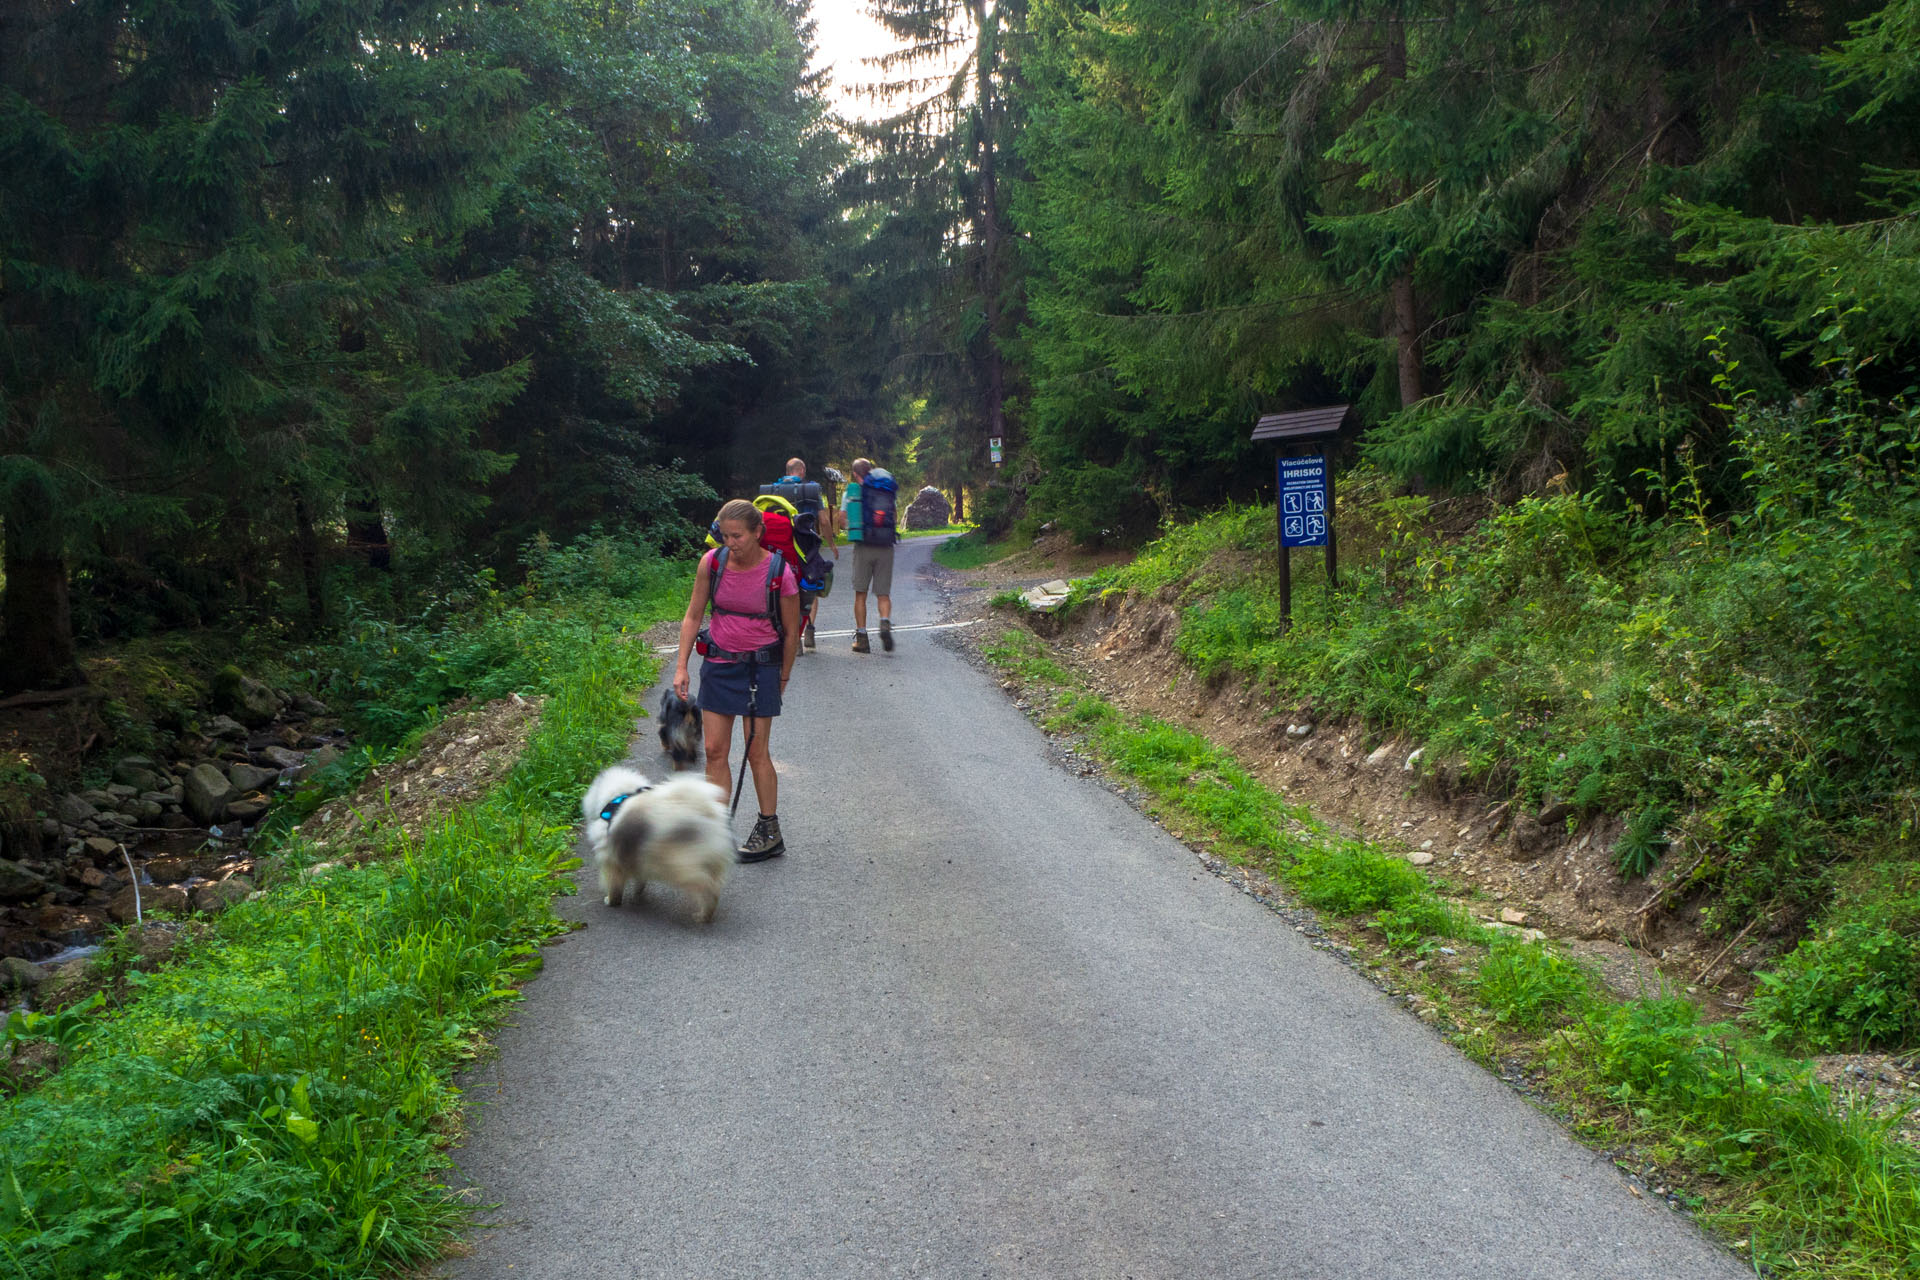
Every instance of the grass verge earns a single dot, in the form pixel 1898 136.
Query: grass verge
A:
pixel 278 1101
pixel 1799 1182
pixel 970 550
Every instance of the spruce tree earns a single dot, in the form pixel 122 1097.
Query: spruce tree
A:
pixel 671 215
pixel 940 165
pixel 231 244
pixel 1505 233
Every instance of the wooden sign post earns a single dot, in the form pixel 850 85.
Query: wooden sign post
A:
pixel 1303 490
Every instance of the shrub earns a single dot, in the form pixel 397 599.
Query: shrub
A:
pixel 479 640
pixel 1644 841
pixel 1853 986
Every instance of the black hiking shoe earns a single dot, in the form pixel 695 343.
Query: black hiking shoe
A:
pixel 765 842
pixel 886 634
pixel 860 644
pixel 808 638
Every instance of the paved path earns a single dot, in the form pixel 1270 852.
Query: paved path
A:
pixel 985 1020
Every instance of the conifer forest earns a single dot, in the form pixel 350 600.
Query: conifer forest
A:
pixel 398 352
pixel 296 290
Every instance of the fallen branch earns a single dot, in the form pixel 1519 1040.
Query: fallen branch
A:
pixel 133 877
pixel 1664 889
pixel 49 697
pixel 1715 962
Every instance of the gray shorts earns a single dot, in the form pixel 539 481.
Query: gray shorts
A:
pixel 872 567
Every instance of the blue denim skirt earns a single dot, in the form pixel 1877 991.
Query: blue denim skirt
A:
pixel 724 688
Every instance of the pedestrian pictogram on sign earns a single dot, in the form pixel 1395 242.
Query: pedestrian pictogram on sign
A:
pixel 1303 502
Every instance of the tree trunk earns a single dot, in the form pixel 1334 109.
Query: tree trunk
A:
pixel 309 552
pixel 959 504
pixel 37 651
pixel 367 531
pixel 1406 333
pixel 1406 309
pixel 990 223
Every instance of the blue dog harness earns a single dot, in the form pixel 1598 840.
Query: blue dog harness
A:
pixel 613 805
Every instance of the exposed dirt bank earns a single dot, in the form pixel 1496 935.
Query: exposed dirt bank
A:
pixel 1549 873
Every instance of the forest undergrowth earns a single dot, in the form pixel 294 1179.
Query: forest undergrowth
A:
pixel 278 1100
pixel 1743 689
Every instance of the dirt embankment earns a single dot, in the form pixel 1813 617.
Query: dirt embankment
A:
pixel 1550 873
pixel 1551 869
pixel 458 761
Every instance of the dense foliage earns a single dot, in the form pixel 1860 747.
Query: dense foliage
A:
pixel 1505 233
pixel 288 286
pixel 1746 690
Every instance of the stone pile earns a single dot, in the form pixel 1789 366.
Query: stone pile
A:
pixel 165 833
pixel 1048 596
pixel 928 510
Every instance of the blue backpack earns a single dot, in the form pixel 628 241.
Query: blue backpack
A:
pixel 878 494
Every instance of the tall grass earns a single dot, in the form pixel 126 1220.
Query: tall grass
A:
pixel 276 1102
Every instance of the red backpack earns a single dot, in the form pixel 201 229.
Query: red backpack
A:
pixel 776 534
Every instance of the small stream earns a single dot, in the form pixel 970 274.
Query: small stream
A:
pixel 56 907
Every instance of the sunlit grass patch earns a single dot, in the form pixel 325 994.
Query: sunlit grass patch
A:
pixel 1023 654
pixel 1532 987
pixel 971 550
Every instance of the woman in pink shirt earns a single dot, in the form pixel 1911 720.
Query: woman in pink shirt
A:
pixel 748 641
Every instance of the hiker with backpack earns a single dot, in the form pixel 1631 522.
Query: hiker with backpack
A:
pixel 780 533
pixel 747 651
pixel 813 524
pixel 868 517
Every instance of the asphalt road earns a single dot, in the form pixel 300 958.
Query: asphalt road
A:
pixel 985 1020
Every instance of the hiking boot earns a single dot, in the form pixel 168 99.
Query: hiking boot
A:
pixel 807 638
pixel 886 634
pixel 860 644
pixel 765 842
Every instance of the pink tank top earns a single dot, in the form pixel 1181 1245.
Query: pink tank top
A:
pixel 745 590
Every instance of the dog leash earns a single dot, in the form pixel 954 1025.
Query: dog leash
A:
pixel 753 705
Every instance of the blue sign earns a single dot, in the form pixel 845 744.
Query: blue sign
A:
pixel 1303 502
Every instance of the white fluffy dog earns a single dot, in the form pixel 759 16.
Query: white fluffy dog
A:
pixel 675 832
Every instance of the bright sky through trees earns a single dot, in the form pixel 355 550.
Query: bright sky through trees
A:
pixel 845 35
